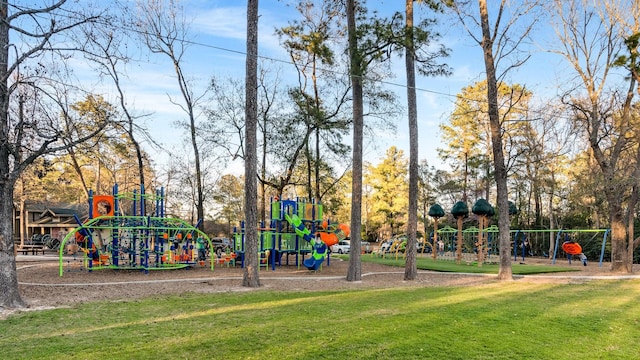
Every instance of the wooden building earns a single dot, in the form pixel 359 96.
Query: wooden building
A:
pixel 38 221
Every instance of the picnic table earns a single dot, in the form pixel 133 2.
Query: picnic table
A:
pixel 33 249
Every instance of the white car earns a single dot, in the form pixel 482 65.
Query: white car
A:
pixel 385 247
pixel 341 247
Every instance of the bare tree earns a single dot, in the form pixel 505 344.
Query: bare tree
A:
pixel 25 137
pixel 165 31
pixel 281 137
pixel 321 96
pixel 590 40
pixel 500 43
pixel 627 15
pixel 105 47
pixel 251 277
pixel 629 19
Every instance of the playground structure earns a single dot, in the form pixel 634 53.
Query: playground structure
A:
pixel 585 238
pixel 448 236
pixel 296 228
pixel 529 242
pixel 549 243
pixel 111 239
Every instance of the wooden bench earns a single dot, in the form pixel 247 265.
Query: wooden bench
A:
pixel 33 249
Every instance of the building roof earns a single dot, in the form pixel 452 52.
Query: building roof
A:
pixel 51 214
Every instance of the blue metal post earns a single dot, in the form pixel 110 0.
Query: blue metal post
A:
pixel 90 204
pixel 515 245
pixel 604 243
pixel 142 202
pixel 555 248
pixel 115 256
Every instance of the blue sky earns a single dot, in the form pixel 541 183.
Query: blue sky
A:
pixel 218 31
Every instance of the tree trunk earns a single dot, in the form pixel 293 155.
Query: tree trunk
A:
pixel 631 214
pixel 309 179
pixel 262 206
pixel 410 269
pixel 9 293
pixel 552 245
pixel 251 276
pixel 316 111
pixel 263 174
pixel 537 200
pixel 618 240
pixel 23 220
pixel 196 155
pixel 505 272
pixel 631 229
pixel 434 246
pixel 317 195
pixel 459 240
pixel 613 194
pixel 78 169
pixel 355 267
pixel 480 239
pixel 466 177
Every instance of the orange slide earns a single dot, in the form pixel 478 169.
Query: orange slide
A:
pixel 328 238
pixel 332 238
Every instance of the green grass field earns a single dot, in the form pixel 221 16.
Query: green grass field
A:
pixel 513 320
pixel 427 263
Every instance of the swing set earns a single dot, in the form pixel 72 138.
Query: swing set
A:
pixel 538 242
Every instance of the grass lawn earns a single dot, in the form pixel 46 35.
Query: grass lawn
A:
pixel 512 320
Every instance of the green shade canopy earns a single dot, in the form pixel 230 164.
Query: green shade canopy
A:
pixel 436 211
pixel 482 208
pixel 460 209
pixel 492 211
pixel 513 210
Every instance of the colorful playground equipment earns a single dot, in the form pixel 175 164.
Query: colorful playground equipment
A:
pixel 296 228
pixel 449 237
pixel 572 248
pixel 319 248
pixel 111 239
pixel 551 243
pixel 547 243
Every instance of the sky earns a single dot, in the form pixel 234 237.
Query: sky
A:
pixel 218 34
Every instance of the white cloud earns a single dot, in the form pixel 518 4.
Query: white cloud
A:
pixel 225 22
pixel 230 23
